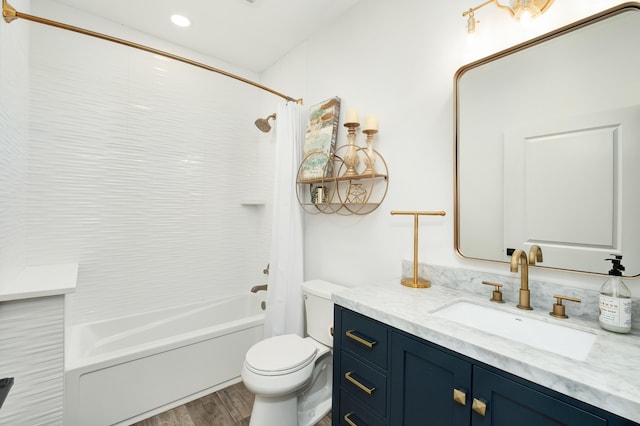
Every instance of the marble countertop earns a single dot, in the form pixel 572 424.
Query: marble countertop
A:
pixel 608 378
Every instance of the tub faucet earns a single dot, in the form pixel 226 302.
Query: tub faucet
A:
pixel 520 257
pixel 257 288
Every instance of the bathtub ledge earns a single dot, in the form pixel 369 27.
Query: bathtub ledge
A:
pixel 41 281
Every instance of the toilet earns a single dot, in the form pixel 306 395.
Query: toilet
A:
pixel 291 375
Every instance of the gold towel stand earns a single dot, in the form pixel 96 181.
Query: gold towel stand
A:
pixel 416 282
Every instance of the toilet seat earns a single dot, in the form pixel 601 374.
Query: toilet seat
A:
pixel 280 355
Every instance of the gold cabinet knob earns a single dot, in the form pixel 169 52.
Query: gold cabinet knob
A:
pixel 497 293
pixel 460 396
pixel 479 407
pixel 559 309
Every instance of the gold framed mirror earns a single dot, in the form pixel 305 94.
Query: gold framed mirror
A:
pixel 547 146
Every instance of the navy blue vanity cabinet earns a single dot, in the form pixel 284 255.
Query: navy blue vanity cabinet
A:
pixel 508 402
pixel 429 387
pixel 401 379
pixel 360 370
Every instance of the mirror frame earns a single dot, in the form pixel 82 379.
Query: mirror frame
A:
pixel 608 13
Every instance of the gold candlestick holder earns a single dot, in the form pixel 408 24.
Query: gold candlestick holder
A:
pixel 416 282
pixel 370 158
pixel 351 158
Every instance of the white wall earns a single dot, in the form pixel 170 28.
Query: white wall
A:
pixel 398 60
pixel 137 170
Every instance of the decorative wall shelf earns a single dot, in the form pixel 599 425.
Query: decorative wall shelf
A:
pixel 344 190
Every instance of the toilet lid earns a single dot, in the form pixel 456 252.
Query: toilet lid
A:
pixel 280 355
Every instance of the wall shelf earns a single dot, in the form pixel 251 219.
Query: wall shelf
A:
pixel 359 192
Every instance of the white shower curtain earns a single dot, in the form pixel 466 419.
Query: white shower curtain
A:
pixel 284 313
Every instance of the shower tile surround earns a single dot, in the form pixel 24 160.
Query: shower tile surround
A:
pixel 596 380
pixel 14 112
pixel 137 170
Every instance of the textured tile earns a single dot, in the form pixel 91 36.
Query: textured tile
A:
pixel 137 169
pixel 31 332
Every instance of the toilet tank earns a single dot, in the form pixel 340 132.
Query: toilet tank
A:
pixel 319 309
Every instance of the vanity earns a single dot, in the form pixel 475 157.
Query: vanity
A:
pixel 397 361
pixel 546 157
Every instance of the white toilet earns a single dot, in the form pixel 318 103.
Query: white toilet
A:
pixel 291 375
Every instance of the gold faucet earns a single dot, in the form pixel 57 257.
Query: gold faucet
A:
pixel 535 253
pixel 520 257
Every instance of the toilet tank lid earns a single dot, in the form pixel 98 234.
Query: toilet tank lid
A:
pixel 321 288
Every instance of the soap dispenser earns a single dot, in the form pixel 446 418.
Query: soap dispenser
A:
pixel 615 300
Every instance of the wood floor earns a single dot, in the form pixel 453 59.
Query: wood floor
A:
pixel 229 406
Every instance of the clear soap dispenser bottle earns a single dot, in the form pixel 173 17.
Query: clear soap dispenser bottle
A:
pixel 615 300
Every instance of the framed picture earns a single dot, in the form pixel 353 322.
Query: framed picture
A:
pixel 320 140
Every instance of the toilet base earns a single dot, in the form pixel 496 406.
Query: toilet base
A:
pixel 271 411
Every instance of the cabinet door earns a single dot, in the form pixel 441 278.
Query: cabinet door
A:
pixel 510 403
pixel 424 381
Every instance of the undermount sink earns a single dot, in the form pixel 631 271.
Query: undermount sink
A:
pixel 548 336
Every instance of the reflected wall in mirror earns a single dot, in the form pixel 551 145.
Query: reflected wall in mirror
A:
pixel 548 147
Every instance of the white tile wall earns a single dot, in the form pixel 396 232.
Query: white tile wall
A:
pixel 14 90
pixel 31 336
pixel 137 169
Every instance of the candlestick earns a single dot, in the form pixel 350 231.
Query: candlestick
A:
pixel 370 158
pixel 351 158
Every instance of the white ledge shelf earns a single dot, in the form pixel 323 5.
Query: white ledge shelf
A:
pixel 41 281
pixel 250 203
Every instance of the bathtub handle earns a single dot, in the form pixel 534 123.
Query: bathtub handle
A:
pixel 257 288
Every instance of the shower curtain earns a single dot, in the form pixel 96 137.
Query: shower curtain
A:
pixel 284 313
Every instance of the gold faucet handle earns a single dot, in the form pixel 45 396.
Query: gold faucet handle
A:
pixel 559 309
pixel 497 293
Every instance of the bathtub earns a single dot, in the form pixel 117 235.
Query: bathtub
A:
pixel 126 369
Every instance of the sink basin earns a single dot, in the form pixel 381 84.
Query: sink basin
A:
pixel 544 335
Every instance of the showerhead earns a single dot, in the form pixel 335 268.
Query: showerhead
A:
pixel 263 123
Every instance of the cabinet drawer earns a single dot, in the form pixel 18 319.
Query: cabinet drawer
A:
pixel 352 413
pixel 364 337
pixel 364 384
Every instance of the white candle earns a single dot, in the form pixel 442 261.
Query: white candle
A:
pixel 352 116
pixel 370 122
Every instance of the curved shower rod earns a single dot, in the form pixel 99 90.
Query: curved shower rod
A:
pixel 10 14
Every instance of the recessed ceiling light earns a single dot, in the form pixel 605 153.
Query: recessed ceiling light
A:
pixel 181 21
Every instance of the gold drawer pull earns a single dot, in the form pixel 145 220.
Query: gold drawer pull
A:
pixel 348 376
pixel 347 418
pixel 459 396
pixel 479 407
pixel 350 334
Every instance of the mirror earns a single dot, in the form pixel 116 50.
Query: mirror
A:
pixel 548 147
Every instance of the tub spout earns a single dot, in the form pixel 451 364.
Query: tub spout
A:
pixel 257 288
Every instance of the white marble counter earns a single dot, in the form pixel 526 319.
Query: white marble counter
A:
pixel 609 378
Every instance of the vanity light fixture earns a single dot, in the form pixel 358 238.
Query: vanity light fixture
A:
pixel 521 10
pixel 181 21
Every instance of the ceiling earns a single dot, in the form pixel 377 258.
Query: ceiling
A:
pixel 252 34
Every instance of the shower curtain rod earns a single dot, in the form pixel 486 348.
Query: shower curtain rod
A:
pixel 10 14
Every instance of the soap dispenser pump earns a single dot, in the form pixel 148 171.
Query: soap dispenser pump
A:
pixel 615 300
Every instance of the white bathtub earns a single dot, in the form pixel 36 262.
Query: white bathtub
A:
pixel 127 369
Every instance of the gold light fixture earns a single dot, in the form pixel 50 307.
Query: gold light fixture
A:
pixel 521 10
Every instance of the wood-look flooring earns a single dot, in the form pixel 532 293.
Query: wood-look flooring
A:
pixel 230 406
